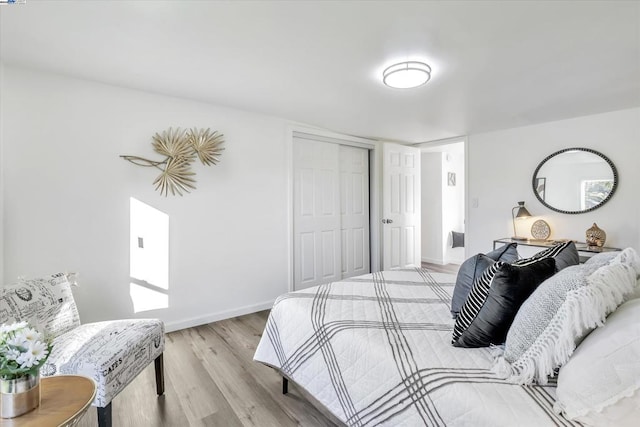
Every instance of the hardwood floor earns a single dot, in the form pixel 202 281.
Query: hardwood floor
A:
pixel 448 268
pixel 212 380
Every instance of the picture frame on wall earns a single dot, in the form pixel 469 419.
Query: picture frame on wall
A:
pixel 541 185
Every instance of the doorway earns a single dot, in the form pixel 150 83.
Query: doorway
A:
pixel 443 201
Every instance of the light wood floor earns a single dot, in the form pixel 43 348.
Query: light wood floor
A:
pixel 448 268
pixel 212 380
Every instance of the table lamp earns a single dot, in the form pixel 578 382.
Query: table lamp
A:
pixel 522 213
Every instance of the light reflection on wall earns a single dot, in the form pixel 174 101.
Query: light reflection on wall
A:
pixel 149 257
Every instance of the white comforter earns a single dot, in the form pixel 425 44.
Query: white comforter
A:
pixel 376 349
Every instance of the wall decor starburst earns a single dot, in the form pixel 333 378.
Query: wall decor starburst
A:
pixel 180 149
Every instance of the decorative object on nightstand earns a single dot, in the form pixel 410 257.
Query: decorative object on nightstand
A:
pixel 540 230
pixel 521 213
pixel 595 236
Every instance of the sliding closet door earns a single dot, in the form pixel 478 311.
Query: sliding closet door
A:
pixel 331 211
pixel 316 213
pixel 354 210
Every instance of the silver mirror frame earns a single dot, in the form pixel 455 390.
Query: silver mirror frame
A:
pixel 597 153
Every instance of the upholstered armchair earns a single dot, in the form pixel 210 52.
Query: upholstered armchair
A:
pixel 113 353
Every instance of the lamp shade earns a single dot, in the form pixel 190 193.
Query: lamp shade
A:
pixel 522 211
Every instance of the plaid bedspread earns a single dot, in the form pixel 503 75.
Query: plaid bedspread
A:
pixel 376 350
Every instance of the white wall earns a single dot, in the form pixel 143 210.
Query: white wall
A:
pixel 66 198
pixel 501 165
pixel 431 207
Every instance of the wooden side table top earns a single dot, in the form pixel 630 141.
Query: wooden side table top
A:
pixel 63 400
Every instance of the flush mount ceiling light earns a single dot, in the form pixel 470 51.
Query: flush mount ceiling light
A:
pixel 406 75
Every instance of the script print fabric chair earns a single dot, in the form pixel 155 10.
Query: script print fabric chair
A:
pixel 113 353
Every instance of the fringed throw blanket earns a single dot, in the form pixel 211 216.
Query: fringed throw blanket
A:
pixel 376 350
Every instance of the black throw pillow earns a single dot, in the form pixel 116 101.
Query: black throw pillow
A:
pixel 487 314
pixel 473 267
pixel 565 254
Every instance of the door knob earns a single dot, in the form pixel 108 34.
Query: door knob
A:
pixel 387 221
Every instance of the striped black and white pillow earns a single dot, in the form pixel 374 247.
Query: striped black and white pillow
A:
pixel 494 300
pixel 474 302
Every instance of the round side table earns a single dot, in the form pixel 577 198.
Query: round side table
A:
pixel 63 401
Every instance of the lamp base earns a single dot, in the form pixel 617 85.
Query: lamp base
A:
pixel 519 238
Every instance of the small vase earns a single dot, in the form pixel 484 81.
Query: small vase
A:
pixel 19 396
pixel 596 236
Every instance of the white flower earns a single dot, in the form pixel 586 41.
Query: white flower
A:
pixel 26 360
pixel 17 341
pixel 39 350
pixel 36 352
pixel 21 350
pixel 12 354
pixel 31 335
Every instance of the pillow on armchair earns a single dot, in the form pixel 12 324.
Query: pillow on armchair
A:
pixel 46 303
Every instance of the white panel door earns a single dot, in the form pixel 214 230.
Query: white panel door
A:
pixel 316 213
pixel 400 206
pixel 354 210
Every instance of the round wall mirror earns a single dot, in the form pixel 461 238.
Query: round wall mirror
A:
pixel 575 180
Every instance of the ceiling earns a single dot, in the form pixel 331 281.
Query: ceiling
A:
pixel 496 64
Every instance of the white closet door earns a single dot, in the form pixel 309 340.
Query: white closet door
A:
pixel 354 209
pixel 316 198
pixel 401 206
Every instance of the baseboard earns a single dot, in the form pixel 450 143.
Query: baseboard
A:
pixel 214 317
pixel 432 261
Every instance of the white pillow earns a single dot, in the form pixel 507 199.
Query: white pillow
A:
pixel 600 384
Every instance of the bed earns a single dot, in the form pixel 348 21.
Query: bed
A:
pixel 376 350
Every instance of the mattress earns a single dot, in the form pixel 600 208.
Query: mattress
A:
pixel 376 350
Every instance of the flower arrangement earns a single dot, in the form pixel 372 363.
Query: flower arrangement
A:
pixel 23 350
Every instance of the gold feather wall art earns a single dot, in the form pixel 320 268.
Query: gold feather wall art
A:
pixel 180 149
